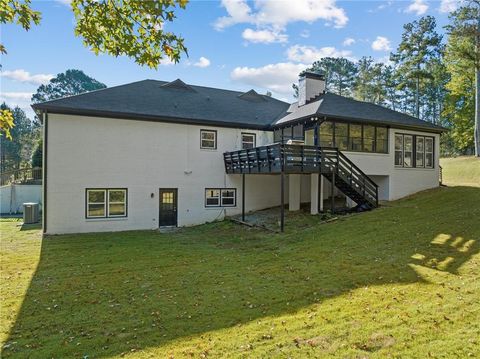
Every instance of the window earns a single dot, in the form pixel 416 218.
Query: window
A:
pixel 248 140
pixel 398 150
pixel 298 132
pixel 419 152
pixel 310 137
pixel 368 138
pixel 228 197
pixel 103 203
pixel 405 156
pixel 287 134
pixel 220 197
pixel 407 150
pixel 277 135
pixel 212 197
pixel 355 134
pixel 381 143
pixel 326 134
pixel 341 136
pixel 208 139
pixel 429 152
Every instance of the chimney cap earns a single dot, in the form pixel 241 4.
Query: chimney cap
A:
pixel 312 75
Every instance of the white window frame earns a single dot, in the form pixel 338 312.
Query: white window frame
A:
pixel 395 149
pixel 432 152
pixel 252 142
pixel 417 157
pixel 411 151
pixel 214 132
pixel 234 197
pixel 109 202
pixel 208 196
pixel 88 203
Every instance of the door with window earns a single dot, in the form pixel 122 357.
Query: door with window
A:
pixel 168 207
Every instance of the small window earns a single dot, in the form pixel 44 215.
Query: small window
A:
pixel 228 197
pixel 398 150
pixel 419 152
pixel 106 203
pixel 248 140
pixel 429 152
pixel 208 139
pixel 212 197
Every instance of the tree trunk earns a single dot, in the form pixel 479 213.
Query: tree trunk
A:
pixel 417 98
pixel 477 112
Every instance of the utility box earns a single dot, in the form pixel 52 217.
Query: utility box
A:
pixel 30 213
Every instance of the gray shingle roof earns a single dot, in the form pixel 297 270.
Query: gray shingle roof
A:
pixel 335 106
pixel 175 102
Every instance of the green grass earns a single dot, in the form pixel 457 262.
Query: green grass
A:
pixel 461 171
pixel 400 281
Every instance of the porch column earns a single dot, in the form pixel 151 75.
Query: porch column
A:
pixel 294 182
pixel 314 195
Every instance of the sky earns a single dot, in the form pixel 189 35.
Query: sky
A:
pixel 232 44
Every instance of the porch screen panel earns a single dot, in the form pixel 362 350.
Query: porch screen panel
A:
pixel 326 134
pixel 368 138
pixel 355 138
pixel 341 136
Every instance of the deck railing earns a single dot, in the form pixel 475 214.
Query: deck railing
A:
pixel 23 175
pixel 291 159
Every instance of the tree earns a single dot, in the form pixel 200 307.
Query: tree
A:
pixel 133 28
pixel 6 124
pixel 420 43
pixel 37 156
pixel 369 83
pixel 464 45
pixel 18 151
pixel 72 82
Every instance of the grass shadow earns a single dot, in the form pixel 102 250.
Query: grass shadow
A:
pixel 107 294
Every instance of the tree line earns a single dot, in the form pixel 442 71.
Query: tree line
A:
pixel 426 77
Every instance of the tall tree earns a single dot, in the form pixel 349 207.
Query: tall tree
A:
pixel 464 44
pixel 420 43
pixel 72 82
pixel 25 134
pixel 369 83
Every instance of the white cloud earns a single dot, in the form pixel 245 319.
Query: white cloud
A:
pixel 17 96
pixel 25 76
pixel 20 99
pixel 309 54
pixel 264 36
pixel 447 6
pixel 348 41
pixel 202 62
pixel 381 43
pixel 64 2
pixel 278 13
pixel 275 77
pixel 419 7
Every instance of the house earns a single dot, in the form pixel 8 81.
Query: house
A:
pixel 154 153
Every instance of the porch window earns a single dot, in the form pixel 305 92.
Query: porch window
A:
pixel 368 138
pixel 326 134
pixel 355 138
pixel 429 152
pixel 420 152
pixel 407 150
pixel 310 137
pixel 208 139
pixel 398 150
pixel 248 140
pixel 381 140
pixel 341 136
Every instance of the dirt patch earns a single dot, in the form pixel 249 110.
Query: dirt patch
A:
pixel 376 342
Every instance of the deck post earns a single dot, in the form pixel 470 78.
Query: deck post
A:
pixel 243 197
pixel 332 192
pixel 320 183
pixel 282 201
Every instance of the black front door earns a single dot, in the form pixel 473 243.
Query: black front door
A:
pixel 168 207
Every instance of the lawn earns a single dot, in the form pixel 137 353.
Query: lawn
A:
pixel 461 171
pixel 400 281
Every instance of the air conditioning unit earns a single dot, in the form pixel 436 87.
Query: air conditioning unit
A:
pixel 30 213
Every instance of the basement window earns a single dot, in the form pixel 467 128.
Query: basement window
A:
pixel 220 197
pixel 208 139
pixel 106 202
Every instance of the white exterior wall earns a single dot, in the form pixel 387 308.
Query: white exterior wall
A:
pixel 91 152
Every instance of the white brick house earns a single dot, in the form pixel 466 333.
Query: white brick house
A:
pixel 156 153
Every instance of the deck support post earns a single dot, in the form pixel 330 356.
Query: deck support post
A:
pixel 320 193
pixel 243 197
pixel 332 193
pixel 282 201
pixel 314 196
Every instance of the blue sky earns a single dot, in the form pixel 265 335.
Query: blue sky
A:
pixel 233 44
